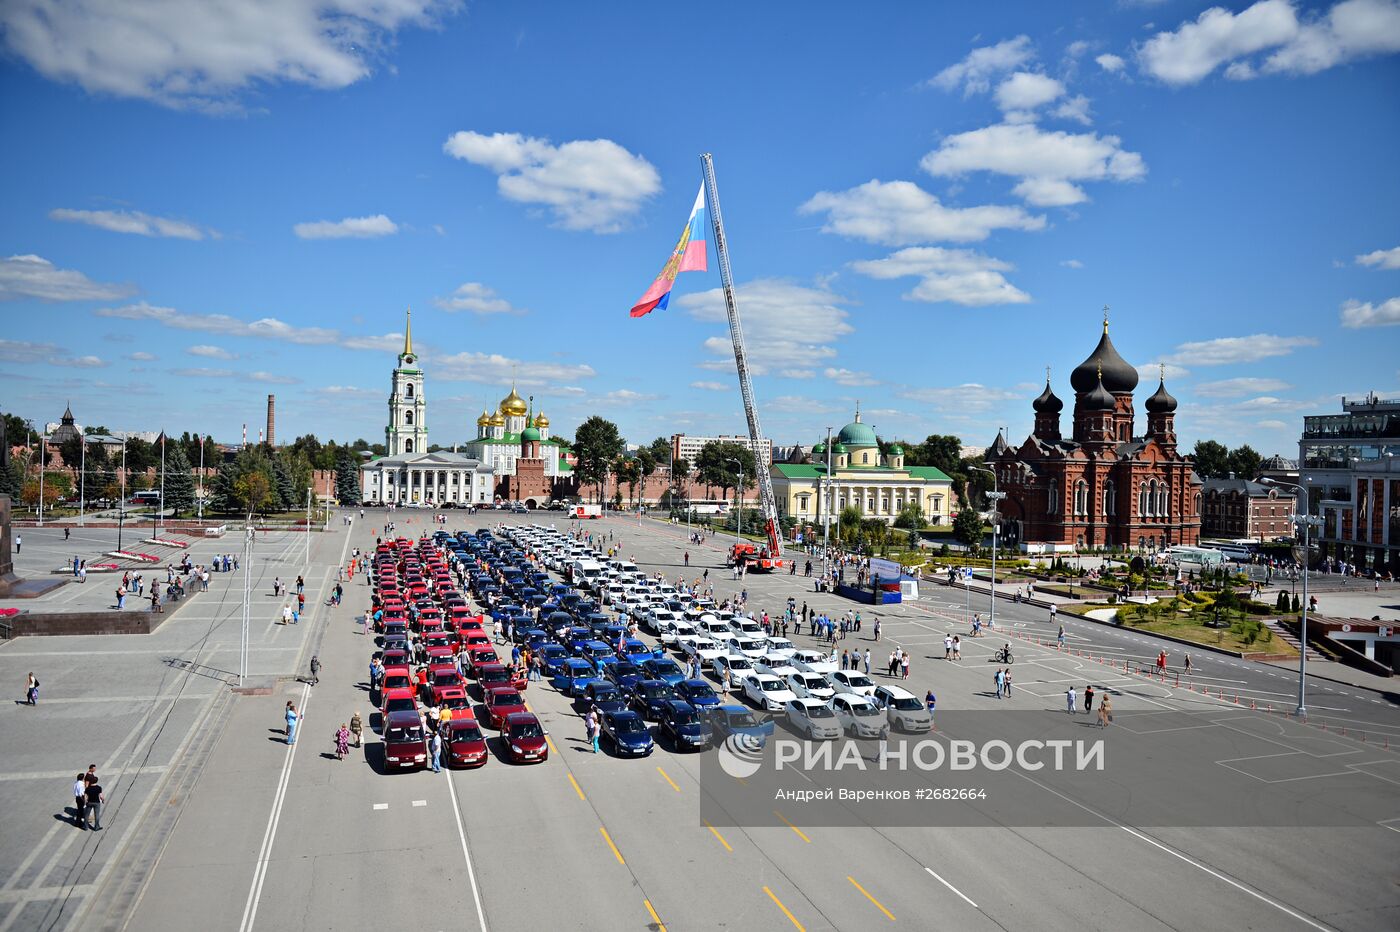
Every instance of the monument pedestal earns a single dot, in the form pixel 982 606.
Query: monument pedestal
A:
pixel 12 586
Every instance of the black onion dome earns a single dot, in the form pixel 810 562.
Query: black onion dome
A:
pixel 1161 401
pixel 1118 376
pixel 1100 399
pixel 1048 403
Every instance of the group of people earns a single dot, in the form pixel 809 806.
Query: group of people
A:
pixel 1105 704
pixel 88 800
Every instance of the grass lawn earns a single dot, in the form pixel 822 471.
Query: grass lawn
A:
pixel 1191 629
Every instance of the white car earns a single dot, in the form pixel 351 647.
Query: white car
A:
pixel 677 633
pixel 667 592
pixel 753 648
pixel 658 621
pixel 767 692
pixel 781 645
pixel 612 595
pixel 705 650
pixel 852 681
pixel 776 664
pixel 736 665
pixel 814 720
pixel 810 686
pixel 746 627
pixel 814 661
pixel 858 715
pixel 712 627
pixel 905 711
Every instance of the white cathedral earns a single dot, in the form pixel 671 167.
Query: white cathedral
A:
pixel 409 474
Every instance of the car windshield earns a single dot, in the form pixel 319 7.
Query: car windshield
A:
pixel 664 666
pixel 739 663
pixel 858 679
pixel 628 726
pixel 819 711
pixel 863 708
pixel 466 733
pixel 658 692
pixel 403 734
pixel 601 693
pixel 684 718
pixel 399 705
pixel 743 719
pixel 532 730
pixel 907 704
pixel 505 699
pixel 770 686
pixel 396 682
pixel 495 676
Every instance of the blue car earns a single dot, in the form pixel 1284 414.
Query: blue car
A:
pixel 698 693
pixel 633 649
pixel 687 729
pixel 726 720
pixel 627 733
pixel 664 669
pixel 649 697
pixel 625 674
pixel 574 676
pixel 596 652
pixel 606 697
pixel 552 657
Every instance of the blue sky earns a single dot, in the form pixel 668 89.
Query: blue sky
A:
pixel 926 204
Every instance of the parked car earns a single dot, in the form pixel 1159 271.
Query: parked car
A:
pixel 466 746
pixel 813 719
pixel 649 696
pixel 851 681
pixel 683 724
pixel 904 711
pixel 767 692
pixel 627 732
pixel 405 746
pixel 525 739
pixel 858 715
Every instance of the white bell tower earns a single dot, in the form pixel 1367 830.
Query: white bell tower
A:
pixel 408 424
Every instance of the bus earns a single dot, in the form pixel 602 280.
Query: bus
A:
pixel 708 506
pixel 145 498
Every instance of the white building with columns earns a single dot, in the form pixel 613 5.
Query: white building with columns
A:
pixel 410 474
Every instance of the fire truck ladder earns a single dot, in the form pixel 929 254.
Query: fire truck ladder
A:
pixel 736 334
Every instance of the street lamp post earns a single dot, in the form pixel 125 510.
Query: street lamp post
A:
pixel 1308 522
pixel 829 502
pixel 995 497
pixel 43 463
pixel 739 500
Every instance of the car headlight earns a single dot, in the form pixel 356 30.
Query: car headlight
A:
pixel 393 760
pixel 517 749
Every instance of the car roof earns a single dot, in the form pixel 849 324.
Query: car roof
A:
pixel 522 718
pixel 898 692
pixel 621 713
pixel 678 705
pixel 403 717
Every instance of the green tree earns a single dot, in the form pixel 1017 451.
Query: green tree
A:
pixel 253 492
pixel 660 450
pixel 1212 459
pixel 597 445
pixel 719 465
pixel 179 479
pixel 628 471
pixel 646 466
pixel 938 450
pixel 347 479
pixel 140 455
pixel 967 527
pixel 911 517
pixel 284 493
pixel 1244 462
pixel 72 452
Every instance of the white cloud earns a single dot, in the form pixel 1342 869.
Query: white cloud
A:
pixel 78 362
pixel 1151 370
pixel 1047 162
pixel 970 397
pixel 1075 108
pixel 1072 264
pixel 900 213
pixel 346 391
pixel 1111 63
pixel 712 386
pixel 495 369
pixel 211 352
pixel 587 184
pixel 36 277
pixel 133 221
pixel 787 326
pixel 269 328
pixel 349 228
pixel 1350 30
pixel 24 351
pixel 1356 314
pixel 849 378
pixel 1381 259
pixel 975 72
pixel 1077 48
pixel 1227 350
pixel 202 54
pixel 199 372
pixel 625 396
pixel 272 378
pixel 958 276
pixel 1026 90
pixel 141 356
pixel 477 298
pixel 1234 388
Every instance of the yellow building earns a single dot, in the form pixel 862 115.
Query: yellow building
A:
pixel 879 486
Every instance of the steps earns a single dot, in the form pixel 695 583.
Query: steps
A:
pixel 1288 638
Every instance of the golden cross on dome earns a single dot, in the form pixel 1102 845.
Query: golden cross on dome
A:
pixel 1105 318
pixel 1047 375
pixel 1162 369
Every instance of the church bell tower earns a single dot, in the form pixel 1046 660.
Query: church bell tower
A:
pixel 407 432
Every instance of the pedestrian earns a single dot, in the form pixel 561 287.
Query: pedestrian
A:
pixel 845 660
pixel 435 750
pixel 884 742
pixel 121 597
pixel 999 680
pixel 1054 611
pixel 31 692
pixel 1060 639
pixel 342 742
pixel 1105 712
pixel 877 630
pixel 1006 682
pixel 905 665
pixel 286 615
pixel 947 647
pixel 357 728
pixel 80 801
pixel 931 701
pixel 315 669
pixel 1069 700
pixel 19 542
pixel 867 661
pixel 591 729
pixel 301 585
pixel 1187 664
pixel 1088 699
pixel 95 799
pixel 292 717
pixel 957 648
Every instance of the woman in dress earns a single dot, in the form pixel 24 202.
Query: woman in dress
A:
pixel 342 742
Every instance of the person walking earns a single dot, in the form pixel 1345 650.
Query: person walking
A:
pixel 19 542
pixel 957 648
pixel 877 630
pixel 293 717
pixel 904 664
pixel 95 801
pixel 342 742
pixel 1105 712
pixel 315 669
pixel 999 680
pixel 1060 639
pixel 947 647
pixel 590 725
pixel 1187 665
pixel 867 661
pixel 435 750
pixel 121 597
pixel 1088 699
pixel 357 728
pixel 31 690
pixel 80 801
pixel 1006 683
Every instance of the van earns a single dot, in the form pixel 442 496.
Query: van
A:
pixel 585 574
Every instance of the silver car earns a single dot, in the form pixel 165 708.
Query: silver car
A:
pixel 858 715
pixel 813 719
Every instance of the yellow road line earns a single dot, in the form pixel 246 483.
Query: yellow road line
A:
pixel 786 911
pixel 715 832
pixel 878 905
pixel 668 779
pixel 799 831
pixel 577 789
pixel 552 749
pixel 608 839
pixel 654 917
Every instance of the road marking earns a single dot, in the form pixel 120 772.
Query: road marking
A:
pixel 419 802
pixel 793 827
pixel 381 805
pixel 608 839
pixel 466 853
pixel 951 887
pixel 577 788
pixel 878 905
pixel 654 917
pixel 667 778
pixel 786 912
pixel 720 838
pixel 250 908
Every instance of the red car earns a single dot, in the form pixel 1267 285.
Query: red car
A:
pixel 501 702
pixel 475 639
pixel 466 746
pixel 441 680
pixel 405 746
pixel 396 676
pixel 525 739
pixel 396 657
pixel 481 657
pixel 438 654
pixel 399 699
pixel 455 698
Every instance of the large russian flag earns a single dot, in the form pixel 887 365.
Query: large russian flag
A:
pixel 688 256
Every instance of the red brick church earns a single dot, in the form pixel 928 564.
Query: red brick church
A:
pixel 1104 485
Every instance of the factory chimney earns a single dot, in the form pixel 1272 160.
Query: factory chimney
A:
pixel 271 418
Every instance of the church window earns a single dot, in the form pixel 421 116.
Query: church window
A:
pixel 1142 499
pixel 408 446
pixel 1108 505
pixel 408 417
pixel 1081 497
pixel 409 390
pixel 1162 499
pixel 1053 505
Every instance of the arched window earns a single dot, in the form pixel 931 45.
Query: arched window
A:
pixel 1142 499
pixel 1108 508
pixel 408 417
pixel 1162 499
pixel 1053 505
pixel 408 446
pixel 865 457
pixel 1081 497
pixel 410 389
pixel 1152 497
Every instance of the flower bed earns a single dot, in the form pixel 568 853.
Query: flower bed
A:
pixel 129 555
pixel 166 542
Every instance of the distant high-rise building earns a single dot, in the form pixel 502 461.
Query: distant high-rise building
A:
pixel 686 447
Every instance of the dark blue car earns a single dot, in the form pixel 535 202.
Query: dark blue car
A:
pixel 606 697
pixel 726 720
pixel 649 697
pixel 665 669
pixel 574 676
pixel 625 674
pixel 627 733
pixel 552 657
pixel 687 730
pixel 698 693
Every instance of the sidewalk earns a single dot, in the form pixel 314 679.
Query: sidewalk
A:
pixel 1343 674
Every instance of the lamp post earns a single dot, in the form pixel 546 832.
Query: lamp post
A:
pixel 121 505
pixel 829 502
pixel 995 497
pixel 82 480
pixel 739 499
pixel 43 463
pixel 1308 522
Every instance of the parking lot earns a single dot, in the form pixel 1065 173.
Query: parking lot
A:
pixel 274 837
